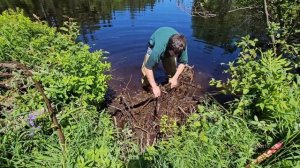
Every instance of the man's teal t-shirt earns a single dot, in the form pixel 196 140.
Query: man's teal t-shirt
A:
pixel 159 41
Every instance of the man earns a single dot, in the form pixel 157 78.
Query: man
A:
pixel 168 45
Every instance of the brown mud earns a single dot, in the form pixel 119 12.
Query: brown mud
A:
pixel 142 113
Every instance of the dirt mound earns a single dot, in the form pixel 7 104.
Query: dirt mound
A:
pixel 142 112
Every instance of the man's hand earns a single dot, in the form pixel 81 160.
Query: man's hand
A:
pixel 156 91
pixel 174 79
pixel 150 77
pixel 173 82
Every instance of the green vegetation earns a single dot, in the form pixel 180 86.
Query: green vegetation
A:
pixel 73 79
pixel 264 86
pixel 264 82
pixel 210 138
pixel 267 96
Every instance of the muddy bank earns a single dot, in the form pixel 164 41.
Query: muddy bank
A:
pixel 142 113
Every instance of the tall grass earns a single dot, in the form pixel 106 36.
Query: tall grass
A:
pixel 209 139
pixel 89 137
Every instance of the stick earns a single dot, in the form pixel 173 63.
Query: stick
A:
pixel 148 139
pixel 249 7
pixel 4 85
pixel 182 111
pixel 130 100
pixel 128 82
pixel 190 84
pixel 5 75
pixel 141 143
pixel 115 107
pixel 125 102
pixel 147 100
pixel 115 121
pixel 157 105
pixel 8 65
pixel 129 108
pixel 146 103
pixel 135 126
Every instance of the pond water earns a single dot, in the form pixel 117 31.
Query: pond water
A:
pixel 123 28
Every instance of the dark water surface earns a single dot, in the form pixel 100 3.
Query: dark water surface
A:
pixel 123 27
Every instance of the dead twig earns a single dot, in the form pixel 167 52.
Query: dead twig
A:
pixel 123 100
pixel 248 7
pixel 135 126
pixel 115 107
pixel 149 100
pixel 10 65
pixel 164 92
pixel 182 111
pixel 129 97
pixel 4 85
pixel 220 105
pixel 143 102
pixel 157 106
pixel 190 84
pixel 126 88
pixel 128 107
pixel 115 121
pixel 6 75
pixel 148 139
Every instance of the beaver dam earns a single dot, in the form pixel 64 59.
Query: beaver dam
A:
pixel 142 113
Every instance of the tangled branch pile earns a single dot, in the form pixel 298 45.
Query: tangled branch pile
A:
pixel 142 112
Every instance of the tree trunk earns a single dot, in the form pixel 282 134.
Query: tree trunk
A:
pixel 269 26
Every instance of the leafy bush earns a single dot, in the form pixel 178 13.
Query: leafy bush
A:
pixel 66 69
pixel 264 86
pixel 209 139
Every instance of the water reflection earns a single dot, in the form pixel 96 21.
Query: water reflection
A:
pixel 93 14
pixel 211 7
pixel 87 13
pixel 123 27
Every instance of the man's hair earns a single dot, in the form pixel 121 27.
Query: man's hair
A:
pixel 177 43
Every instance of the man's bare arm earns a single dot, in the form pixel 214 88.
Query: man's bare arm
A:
pixel 151 80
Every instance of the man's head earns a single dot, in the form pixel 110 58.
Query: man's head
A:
pixel 176 44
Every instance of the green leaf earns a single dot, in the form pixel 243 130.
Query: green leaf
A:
pixel 203 137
